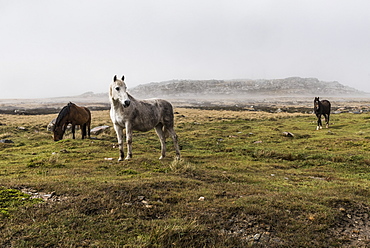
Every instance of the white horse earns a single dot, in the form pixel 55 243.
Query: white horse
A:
pixel 140 115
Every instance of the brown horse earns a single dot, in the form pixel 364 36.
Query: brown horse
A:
pixel 75 115
pixel 321 108
pixel 140 115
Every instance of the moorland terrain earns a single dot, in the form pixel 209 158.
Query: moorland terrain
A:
pixel 241 182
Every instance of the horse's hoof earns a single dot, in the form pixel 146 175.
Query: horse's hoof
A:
pixel 128 158
pixel 120 159
pixel 161 157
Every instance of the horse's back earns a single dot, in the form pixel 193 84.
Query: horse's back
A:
pixel 148 113
pixel 326 106
pixel 81 115
pixel 160 108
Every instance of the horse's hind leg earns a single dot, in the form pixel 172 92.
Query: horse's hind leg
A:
pixel 83 130
pixel 162 139
pixel 327 118
pixel 88 129
pixel 129 141
pixel 171 131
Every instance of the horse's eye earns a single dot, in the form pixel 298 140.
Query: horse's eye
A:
pixel 117 88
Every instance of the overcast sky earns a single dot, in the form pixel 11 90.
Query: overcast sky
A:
pixel 61 48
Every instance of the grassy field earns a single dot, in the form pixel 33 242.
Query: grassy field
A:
pixel 240 183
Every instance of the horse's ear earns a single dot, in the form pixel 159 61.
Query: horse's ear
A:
pixel 115 78
pixel 123 77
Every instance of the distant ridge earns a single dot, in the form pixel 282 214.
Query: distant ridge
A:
pixel 293 86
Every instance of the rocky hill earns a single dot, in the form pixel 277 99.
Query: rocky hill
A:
pixel 293 86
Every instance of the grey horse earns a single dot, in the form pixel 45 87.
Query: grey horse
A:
pixel 140 115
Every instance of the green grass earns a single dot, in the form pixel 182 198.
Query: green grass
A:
pixel 260 187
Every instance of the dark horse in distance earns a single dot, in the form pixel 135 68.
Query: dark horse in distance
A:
pixel 322 108
pixel 75 115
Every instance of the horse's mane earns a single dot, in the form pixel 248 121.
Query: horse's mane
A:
pixel 63 113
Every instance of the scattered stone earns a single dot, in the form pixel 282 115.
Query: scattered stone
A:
pixel 288 134
pixel 99 129
pixel 141 197
pixel 42 195
pixel 257 142
pixel 201 198
pixel 22 128
pixel 51 125
pixel 257 237
pixel 48 196
pixel 6 141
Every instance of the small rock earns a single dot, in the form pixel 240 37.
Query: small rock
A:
pixel 257 142
pixel 257 237
pixel 288 134
pixel 141 197
pixel 99 129
pixel 6 141
pixel 201 198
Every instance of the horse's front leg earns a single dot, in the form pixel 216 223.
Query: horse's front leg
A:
pixel 319 124
pixel 129 141
pixel 119 132
pixel 73 131
pixel 175 142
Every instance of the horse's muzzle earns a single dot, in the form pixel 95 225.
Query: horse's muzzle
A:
pixel 126 103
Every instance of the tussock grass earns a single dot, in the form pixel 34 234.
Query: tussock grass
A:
pixel 240 183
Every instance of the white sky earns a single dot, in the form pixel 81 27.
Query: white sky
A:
pixel 60 48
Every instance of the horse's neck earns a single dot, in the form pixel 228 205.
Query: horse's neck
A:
pixel 62 122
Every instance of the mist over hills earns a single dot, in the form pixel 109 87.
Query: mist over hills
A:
pixel 293 86
pixel 210 93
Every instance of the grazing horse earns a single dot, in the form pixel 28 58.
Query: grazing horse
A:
pixel 322 108
pixel 75 115
pixel 140 115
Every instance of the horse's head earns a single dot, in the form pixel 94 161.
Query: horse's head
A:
pixel 58 133
pixel 316 103
pixel 117 91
